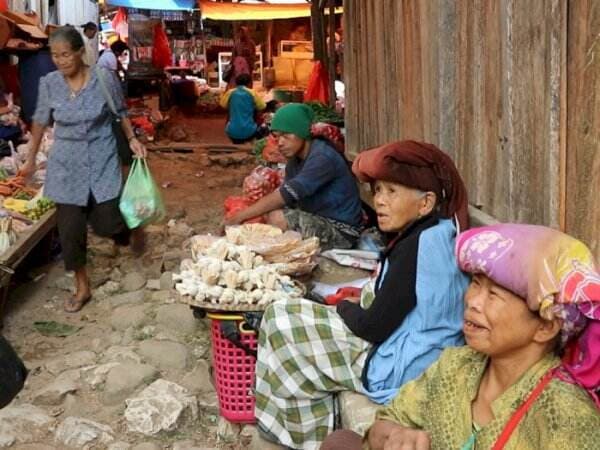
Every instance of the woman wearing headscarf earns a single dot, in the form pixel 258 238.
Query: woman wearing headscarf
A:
pixel 405 317
pixel 534 295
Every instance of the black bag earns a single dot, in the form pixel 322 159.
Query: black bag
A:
pixel 228 73
pixel 12 373
pixel 5 149
pixel 122 143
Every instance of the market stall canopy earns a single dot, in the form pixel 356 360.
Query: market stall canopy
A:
pixel 245 11
pixel 166 5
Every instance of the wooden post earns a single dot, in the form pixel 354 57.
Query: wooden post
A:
pixel 331 70
pixel 318 32
pixel 269 56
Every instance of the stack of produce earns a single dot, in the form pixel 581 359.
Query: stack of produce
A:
pixel 323 113
pixel 266 150
pixel 32 209
pixel 222 273
pixel 261 181
pixel 291 254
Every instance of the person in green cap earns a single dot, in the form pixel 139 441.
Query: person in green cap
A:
pixel 319 196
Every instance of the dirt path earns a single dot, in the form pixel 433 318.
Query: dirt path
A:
pixel 130 334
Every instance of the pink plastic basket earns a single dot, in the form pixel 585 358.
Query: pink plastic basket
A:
pixel 234 374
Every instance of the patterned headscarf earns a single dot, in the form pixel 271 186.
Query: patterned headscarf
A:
pixel 558 277
pixel 419 166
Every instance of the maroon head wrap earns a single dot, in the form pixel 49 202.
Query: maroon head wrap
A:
pixel 419 166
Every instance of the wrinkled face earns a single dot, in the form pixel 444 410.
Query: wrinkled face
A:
pixel 289 144
pixel 396 205
pixel 67 60
pixel 497 322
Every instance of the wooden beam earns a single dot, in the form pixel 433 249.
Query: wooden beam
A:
pixel 331 70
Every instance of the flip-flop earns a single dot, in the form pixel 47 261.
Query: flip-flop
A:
pixel 72 305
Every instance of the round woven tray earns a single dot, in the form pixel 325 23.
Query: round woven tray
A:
pixel 219 307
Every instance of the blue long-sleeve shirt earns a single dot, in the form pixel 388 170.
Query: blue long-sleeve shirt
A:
pixel 322 184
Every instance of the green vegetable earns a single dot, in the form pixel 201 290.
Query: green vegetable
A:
pixel 324 113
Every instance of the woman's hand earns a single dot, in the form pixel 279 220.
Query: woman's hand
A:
pixel 28 168
pixel 402 438
pixel 139 150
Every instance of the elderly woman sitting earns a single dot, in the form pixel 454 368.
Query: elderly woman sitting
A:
pixel 535 293
pixel 307 352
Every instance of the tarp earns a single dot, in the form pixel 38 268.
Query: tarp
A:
pixel 245 11
pixel 166 5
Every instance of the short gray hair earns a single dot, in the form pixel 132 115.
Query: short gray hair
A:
pixel 69 35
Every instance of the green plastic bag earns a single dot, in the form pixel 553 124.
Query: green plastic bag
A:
pixel 141 202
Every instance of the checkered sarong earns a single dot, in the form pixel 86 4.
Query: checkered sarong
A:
pixel 305 355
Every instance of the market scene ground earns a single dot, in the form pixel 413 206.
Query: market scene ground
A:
pixel 131 333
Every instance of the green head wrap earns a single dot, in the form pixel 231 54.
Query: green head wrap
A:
pixel 294 118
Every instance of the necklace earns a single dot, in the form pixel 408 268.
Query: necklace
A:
pixel 75 92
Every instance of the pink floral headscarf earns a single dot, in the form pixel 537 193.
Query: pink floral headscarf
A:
pixel 558 277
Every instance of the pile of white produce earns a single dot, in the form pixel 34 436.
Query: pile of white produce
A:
pixel 229 274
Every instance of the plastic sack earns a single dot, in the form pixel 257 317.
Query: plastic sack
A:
pixel 318 84
pixel 141 202
pixel 261 182
pixel 12 373
pixel 234 204
pixel 161 57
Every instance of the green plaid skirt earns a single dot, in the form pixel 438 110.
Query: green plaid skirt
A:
pixel 306 354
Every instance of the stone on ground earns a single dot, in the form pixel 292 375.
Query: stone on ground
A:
pixel 118 353
pixel 160 407
pixel 96 375
pixel 135 297
pixel 166 281
pixel 108 289
pixel 54 393
pixel 177 317
pixel 228 432
pixel 199 380
pixel 252 440
pixel 128 316
pixel 124 379
pixel 186 445
pixel 165 354
pixel 119 445
pixel 133 281
pixel 162 296
pixel 22 423
pixel 153 285
pixel 77 432
pixel 71 361
pixel 147 446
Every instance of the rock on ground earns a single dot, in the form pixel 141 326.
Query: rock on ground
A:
pixel 228 432
pixel 147 446
pixel 133 281
pixel 199 380
pixel 124 379
pixel 21 423
pixel 55 392
pixel 79 433
pixel 177 317
pixel 166 281
pixel 165 354
pixel 120 445
pixel 162 296
pixel 71 361
pixel 161 406
pixel 135 297
pixel 128 316
pixel 118 353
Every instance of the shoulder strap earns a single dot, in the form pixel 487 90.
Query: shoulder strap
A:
pixel 520 413
pixel 107 97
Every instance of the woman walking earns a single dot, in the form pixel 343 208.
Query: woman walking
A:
pixel 83 174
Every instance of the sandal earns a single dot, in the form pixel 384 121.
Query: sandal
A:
pixel 72 305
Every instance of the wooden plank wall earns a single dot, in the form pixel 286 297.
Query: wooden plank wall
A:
pixel 583 123
pixel 487 82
